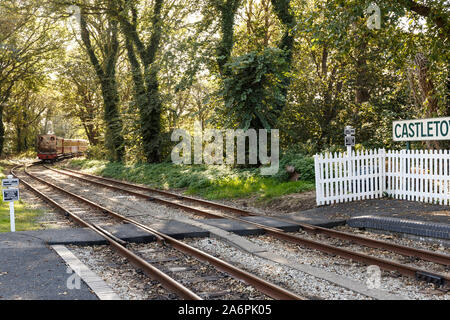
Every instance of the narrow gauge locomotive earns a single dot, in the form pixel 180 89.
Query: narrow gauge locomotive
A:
pixel 51 147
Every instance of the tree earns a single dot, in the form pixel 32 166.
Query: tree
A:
pixel 253 88
pixel 108 45
pixel 26 109
pixel 144 72
pixel 77 82
pixel 227 10
pixel 284 12
pixel 28 40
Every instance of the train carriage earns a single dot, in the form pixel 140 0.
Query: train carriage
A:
pixel 52 147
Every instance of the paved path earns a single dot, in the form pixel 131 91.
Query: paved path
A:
pixel 30 270
pixel 380 207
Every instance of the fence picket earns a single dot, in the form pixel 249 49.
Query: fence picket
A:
pixel 446 197
pixel 414 175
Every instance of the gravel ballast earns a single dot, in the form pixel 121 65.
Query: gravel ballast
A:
pixel 148 212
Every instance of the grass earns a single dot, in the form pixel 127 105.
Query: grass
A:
pixel 25 218
pixel 209 182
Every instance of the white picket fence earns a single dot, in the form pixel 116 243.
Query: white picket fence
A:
pixel 415 175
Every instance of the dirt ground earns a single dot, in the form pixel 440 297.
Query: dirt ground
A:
pixel 286 204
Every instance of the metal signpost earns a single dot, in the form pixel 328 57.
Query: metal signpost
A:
pixel 349 139
pixel 10 195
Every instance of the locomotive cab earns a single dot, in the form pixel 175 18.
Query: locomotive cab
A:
pixel 48 146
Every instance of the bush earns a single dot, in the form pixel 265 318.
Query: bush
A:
pixel 97 152
pixel 29 154
pixel 304 165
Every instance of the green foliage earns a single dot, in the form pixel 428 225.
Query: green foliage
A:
pixel 158 65
pixel 106 73
pixel 28 42
pixel 144 69
pixel 227 10
pixel 304 166
pixel 262 188
pixel 29 154
pixel 252 89
pixel 26 218
pixel 97 152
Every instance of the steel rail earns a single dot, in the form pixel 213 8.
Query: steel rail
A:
pixel 262 285
pixel 373 243
pixel 153 272
pixel 280 234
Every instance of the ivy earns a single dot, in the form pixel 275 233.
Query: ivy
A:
pixel 283 11
pixel 254 86
pixel 227 10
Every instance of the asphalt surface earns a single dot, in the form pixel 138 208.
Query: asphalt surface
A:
pixel 30 270
pixel 392 208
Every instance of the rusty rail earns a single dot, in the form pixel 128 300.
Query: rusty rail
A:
pixel 153 272
pixel 262 285
pixel 280 234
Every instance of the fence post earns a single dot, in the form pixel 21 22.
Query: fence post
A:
pixel 383 171
pixel 317 171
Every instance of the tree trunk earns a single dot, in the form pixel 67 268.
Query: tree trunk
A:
pixel 146 85
pixel 427 92
pixel 2 131
pixel 282 9
pixel 227 11
pixel 362 93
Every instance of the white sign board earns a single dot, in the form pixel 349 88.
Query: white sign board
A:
pixel 10 182
pixel 10 195
pixel 421 130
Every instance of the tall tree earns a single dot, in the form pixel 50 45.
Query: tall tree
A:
pixel 142 58
pixel 106 73
pixel 78 83
pixel 284 12
pixel 227 10
pixel 28 40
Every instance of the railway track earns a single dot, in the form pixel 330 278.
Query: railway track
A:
pixel 80 210
pixel 210 209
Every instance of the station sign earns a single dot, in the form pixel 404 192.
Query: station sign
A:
pixel 14 182
pixel 10 195
pixel 421 130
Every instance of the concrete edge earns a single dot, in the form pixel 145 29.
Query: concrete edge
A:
pixel 100 288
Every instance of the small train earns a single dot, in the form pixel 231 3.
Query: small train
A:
pixel 50 147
